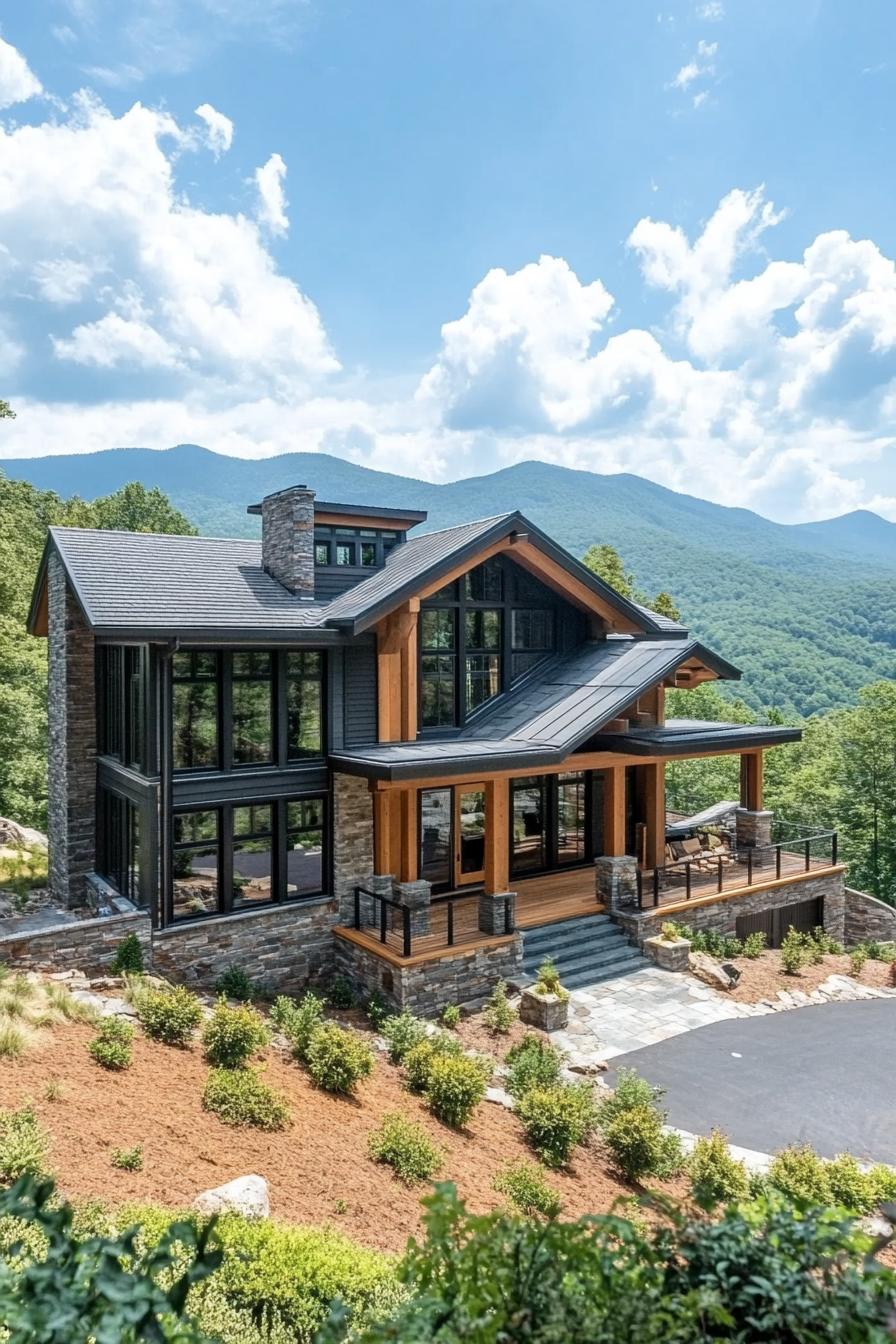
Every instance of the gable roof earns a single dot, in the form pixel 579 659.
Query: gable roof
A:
pixel 546 719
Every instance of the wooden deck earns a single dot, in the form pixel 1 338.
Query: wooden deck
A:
pixel 542 900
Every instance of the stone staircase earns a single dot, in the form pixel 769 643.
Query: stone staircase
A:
pixel 585 950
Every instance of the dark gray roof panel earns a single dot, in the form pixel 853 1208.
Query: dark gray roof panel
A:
pixel 128 580
pixel 678 737
pixel 662 622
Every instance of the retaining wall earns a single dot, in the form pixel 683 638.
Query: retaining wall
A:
pixel 868 919
pixel 87 945
pixel 466 978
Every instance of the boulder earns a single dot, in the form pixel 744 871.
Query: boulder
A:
pixel 498 1097
pixel 11 833
pixel 702 964
pixel 247 1195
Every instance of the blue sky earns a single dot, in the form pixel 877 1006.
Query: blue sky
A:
pixel 708 185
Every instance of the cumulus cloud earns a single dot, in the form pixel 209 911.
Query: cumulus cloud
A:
pixel 701 66
pixel 18 83
pixel 271 208
pixel 219 128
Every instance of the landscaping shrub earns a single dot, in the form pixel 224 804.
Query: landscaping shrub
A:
pixel 800 1173
pixel 754 945
pixel 716 1177
pixel 239 1097
pixel 883 1183
pixel 418 1060
pixel 12 1041
pixel 850 1186
pixel 638 1145
pixel 169 1015
pixel 337 1059
pixel 455 1087
pixel 406 1147
pixel 24 1145
pixel 128 1159
pixel 631 1090
pixel 128 956
pixel 450 1016
pixel 298 1020
pixel 232 1035
pixel 823 939
pixel 341 993
pixel 547 980
pixel 714 944
pixel 529 1192
pixel 402 1031
pixel 235 983
pixel 532 1062
pixel 557 1119
pixel 857 958
pixel 113 1045
pixel 377 1009
pixel 793 952
pixel 498 1015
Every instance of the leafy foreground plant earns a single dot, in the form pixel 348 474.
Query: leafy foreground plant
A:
pixel 168 1015
pixel 767 1274
pixel 24 1145
pixel 406 1147
pixel 232 1035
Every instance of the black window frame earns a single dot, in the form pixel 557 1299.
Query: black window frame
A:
pixel 234 678
pixel 122 704
pixel 121 846
pixel 319 678
pixel 194 679
pixel 381 540
pixel 593 782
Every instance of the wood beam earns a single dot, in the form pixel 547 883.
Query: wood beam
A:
pixel 655 813
pixel 614 811
pixel 409 845
pixel 396 644
pixel 573 589
pixel 751 780
pixel 386 831
pixel 497 835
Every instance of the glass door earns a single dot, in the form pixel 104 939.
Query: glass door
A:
pixel 570 819
pixel 530 834
pixel 469 801
pixel 437 837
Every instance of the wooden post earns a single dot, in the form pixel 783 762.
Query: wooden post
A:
pixel 751 780
pixel 386 831
pixel 409 845
pixel 396 643
pixel 614 811
pixel 655 813
pixel 497 836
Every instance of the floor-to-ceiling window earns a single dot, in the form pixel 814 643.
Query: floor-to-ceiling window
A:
pixel 556 821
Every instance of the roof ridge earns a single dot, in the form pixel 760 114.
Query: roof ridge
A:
pixel 455 527
pixel 129 532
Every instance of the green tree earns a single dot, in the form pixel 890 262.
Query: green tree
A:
pixel 6 411
pixel 606 562
pixel 133 508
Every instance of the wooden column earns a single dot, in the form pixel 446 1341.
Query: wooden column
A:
pixel 614 811
pixel 386 831
pixel 396 645
pixel 497 836
pixel 655 813
pixel 409 850
pixel 751 780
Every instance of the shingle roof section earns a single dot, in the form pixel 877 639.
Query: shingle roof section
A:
pixel 170 584
pixel 664 622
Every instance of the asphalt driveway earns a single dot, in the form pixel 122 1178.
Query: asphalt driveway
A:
pixel 824 1075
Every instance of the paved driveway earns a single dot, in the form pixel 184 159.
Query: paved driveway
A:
pixel 822 1075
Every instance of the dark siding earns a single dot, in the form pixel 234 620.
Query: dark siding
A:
pixel 359 703
pixel 329 582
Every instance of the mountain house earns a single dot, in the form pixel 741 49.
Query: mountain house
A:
pixel 355 746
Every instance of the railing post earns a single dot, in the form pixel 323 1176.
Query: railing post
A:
pixel 720 873
pixel 750 866
pixel 382 920
pixel 450 923
pixel 808 855
pixel 406 941
pixel 777 860
pixel 357 907
pixel 640 882
pixel 656 887
pixel 687 880
pixel 833 849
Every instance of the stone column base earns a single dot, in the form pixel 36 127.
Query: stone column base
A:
pixel 754 831
pixel 381 884
pixel 497 912
pixel 416 897
pixel 616 881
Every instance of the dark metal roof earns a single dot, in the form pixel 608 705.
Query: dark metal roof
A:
pixel 683 737
pixel 409 516
pixel 663 622
pixel 548 718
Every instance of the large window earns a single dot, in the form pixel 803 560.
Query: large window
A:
pixel 478 636
pixel 557 821
pixel 246 708
pixel 118 844
pixel 244 855
pixel 122 672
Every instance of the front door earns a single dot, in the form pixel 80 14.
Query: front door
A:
pixel 452 835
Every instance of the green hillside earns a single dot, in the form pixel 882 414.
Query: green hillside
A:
pixel 807 611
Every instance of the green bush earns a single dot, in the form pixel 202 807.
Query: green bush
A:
pixel 169 1015
pixel 525 1186
pixel 498 1015
pixel 298 1020
pixel 547 980
pixel 450 1016
pixel 128 1159
pixel 235 983
pixel 883 1183
pixel 402 1032
pixel 239 1097
pixel 128 956
pixel 715 944
pixel 377 1009
pixel 801 1174
pixel 24 1145
pixel 557 1119
pixel 337 1059
pixel 631 1090
pixel 639 1147
pixel 754 945
pixel 857 958
pixel 793 952
pixel 113 1045
pixel 232 1035
pixel 418 1060
pixel 455 1087
pixel 341 993
pixel 716 1177
pixel 532 1062
pixel 851 1187
pixel 406 1147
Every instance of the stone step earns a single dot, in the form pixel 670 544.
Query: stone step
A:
pixel 609 971
pixel 584 958
pixel 563 938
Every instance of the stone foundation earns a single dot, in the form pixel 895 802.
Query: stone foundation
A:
pixel 721 915
pixel 352 841
pixel 497 912
pixel 616 882
pixel 87 945
pixel 868 919
pixel 284 948
pixel 465 978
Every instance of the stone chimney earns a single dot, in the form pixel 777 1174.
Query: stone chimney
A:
pixel 287 539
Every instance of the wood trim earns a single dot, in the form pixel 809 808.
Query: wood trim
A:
pixel 464 566
pixel 553 574
pixel 497 836
pixel 678 907
pixel 614 811
pixel 357 521
pixel 371 944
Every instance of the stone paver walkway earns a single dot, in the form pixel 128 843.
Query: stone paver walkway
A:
pixel 652 1005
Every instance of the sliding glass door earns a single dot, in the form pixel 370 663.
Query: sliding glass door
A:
pixel 452 836
pixel 556 821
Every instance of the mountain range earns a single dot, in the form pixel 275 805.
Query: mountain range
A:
pixel 807 610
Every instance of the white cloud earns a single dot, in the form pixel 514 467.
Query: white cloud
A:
pixel 713 11
pixel 113 341
pixel 271 206
pixel 219 127
pixel 700 66
pixel 18 83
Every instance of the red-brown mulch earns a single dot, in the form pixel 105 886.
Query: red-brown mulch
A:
pixel 320 1160
pixel 762 978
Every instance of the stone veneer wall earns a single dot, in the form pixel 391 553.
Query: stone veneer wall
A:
pixel 352 808
pixel 87 945
pixel 868 919
pixel 287 539
pixel 464 978
pixel 284 948
pixel 71 705
pixel 721 915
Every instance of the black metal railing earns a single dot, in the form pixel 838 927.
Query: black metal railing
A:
pixel 442 932
pixel 380 917
pixel 746 865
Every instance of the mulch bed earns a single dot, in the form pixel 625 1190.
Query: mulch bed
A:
pixel 762 978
